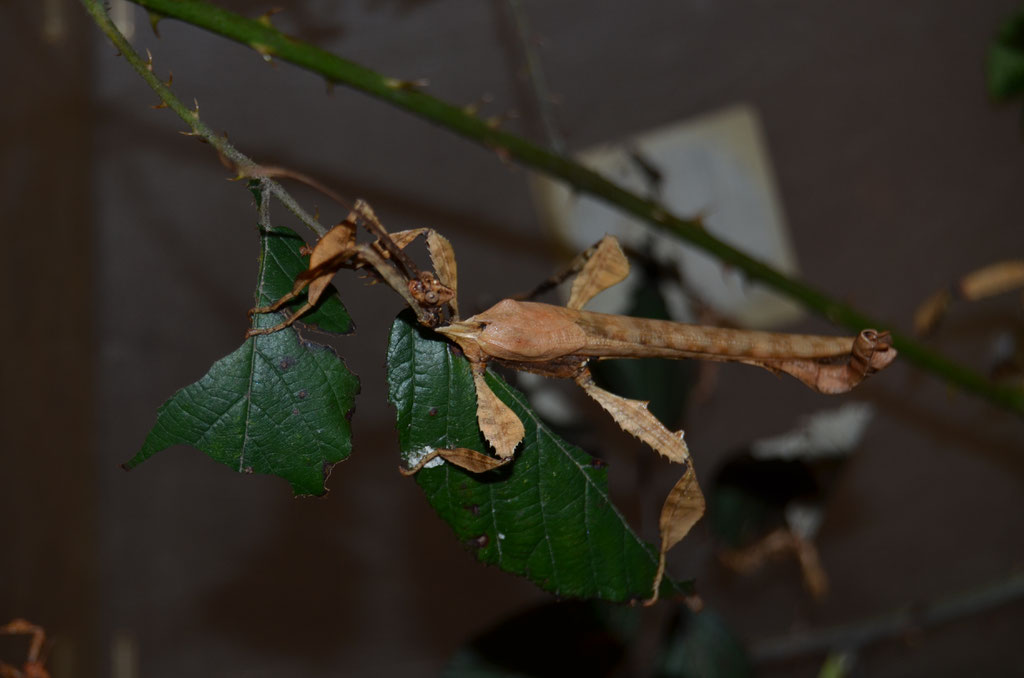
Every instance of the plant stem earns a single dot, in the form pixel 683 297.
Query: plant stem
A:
pixel 144 67
pixel 904 620
pixel 261 36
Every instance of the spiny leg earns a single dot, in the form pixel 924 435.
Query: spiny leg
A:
pixel 390 249
pixel 684 504
pixel 327 257
pixel 463 457
pixel 499 424
pixel 605 266
pixel 996 278
pixel 634 418
pixel 775 544
pixel 579 264
pixel 683 507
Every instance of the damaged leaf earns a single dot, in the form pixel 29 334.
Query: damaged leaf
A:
pixel 278 404
pixel 546 516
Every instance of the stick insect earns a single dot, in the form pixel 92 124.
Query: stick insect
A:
pixel 560 341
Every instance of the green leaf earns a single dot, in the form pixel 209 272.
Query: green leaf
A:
pixel 278 404
pixel 547 516
pixel 1005 68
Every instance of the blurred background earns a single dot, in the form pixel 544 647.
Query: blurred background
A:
pixel 130 263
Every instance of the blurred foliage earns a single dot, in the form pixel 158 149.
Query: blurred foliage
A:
pixel 600 640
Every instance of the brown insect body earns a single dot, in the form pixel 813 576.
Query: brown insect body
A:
pixel 525 330
pixel 530 332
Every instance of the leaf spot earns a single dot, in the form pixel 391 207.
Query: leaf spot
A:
pixel 414 457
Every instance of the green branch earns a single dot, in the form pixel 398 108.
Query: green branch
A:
pixel 912 618
pixel 144 67
pixel 261 36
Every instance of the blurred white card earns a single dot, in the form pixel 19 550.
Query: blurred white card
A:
pixel 716 165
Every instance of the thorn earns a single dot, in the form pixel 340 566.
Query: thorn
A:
pixel 162 104
pixel 196 112
pixel 395 83
pixel 329 87
pixel 154 19
pixel 170 79
pixel 266 51
pixel 503 154
pixel 265 17
pixel 149 60
pixel 700 219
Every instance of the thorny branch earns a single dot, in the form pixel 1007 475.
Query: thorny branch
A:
pixel 228 153
pixel 857 635
pixel 262 37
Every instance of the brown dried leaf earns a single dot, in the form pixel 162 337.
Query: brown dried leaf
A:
pixel 988 281
pixel 930 313
pixel 606 266
pixel 993 279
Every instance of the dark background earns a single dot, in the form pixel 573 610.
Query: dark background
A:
pixel 129 263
